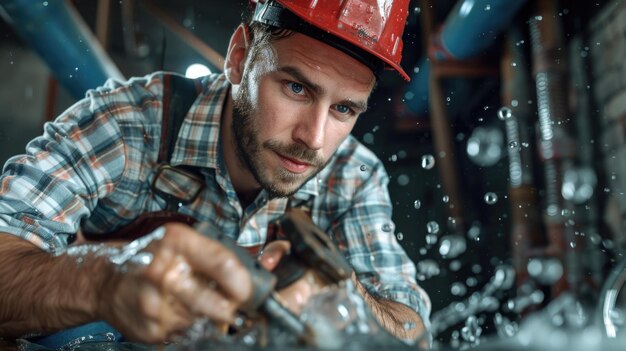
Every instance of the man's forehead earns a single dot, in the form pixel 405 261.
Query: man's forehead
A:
pixel 314 57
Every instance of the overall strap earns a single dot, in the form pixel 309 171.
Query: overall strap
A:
pixel 178 96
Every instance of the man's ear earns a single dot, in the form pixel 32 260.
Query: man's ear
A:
pixel 237 53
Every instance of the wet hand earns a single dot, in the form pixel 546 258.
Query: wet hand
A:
pixel 297 294
pixel 190 276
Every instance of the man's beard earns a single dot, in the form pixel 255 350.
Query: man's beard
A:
pixel 249 151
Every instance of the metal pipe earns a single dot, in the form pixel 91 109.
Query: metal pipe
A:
pixel 471 27
pixel 442 137
pixel 58 34
pixel 102 22
pixel 526 226
pixel 556 144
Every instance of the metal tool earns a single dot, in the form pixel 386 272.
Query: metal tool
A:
pixel 311 248
pixel 263 299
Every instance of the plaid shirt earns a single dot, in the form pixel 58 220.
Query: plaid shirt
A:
pixel 93 166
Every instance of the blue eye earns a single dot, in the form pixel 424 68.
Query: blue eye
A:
pixel 342 109
pixel 296 87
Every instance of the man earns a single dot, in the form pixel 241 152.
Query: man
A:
pixel 272 132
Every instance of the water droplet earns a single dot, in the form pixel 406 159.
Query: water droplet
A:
pixel 393 158
pixel 513 144
pixel 446 199
pixel 491 198
pixel 249 339
pixel 451 223
pixel 485 146
pixel 428 161
pixel 417 204
pixel 545 270
pixel 471 281
pixel 458 289
pixel 409 325
pixel 505 113
pixel 451 246
pixel 400 236
pixel 403 180
pixel 45 3
pixel 432 227
pixel 578 184
pixel 428 268
pixel 431 239
pixel 474 232
pixel 363 168
pixel 368 138
pixel 477 268
pixel 487 7
pixel 386 228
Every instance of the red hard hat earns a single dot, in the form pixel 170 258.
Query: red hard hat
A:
pixel 369 30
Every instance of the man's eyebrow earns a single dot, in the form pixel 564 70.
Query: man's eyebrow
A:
pixel 360 106
pixel 300 77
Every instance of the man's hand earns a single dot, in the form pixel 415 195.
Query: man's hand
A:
pixel 398 319
pixel 190 276
pixel 295 295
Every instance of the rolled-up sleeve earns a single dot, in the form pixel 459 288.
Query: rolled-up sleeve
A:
pixel 365 233
pixel 45 192
pixel 95 145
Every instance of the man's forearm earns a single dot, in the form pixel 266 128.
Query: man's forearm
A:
pixel 42 293
pixel 398 319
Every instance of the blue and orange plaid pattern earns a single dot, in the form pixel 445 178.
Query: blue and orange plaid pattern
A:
pixel 93 166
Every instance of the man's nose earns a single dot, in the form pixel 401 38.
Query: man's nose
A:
pixel 310 129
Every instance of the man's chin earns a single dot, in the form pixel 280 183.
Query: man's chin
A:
pixel 277 191
pixel 284 188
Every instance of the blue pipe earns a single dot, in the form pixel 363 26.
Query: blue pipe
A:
pixel 471 27
pixel 58 34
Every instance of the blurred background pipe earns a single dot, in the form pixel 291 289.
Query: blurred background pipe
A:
pixel 59 35
pixel 471 27
pixel 556 145
pixel 526 225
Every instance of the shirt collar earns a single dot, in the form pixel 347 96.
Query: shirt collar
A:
pixel 199 135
